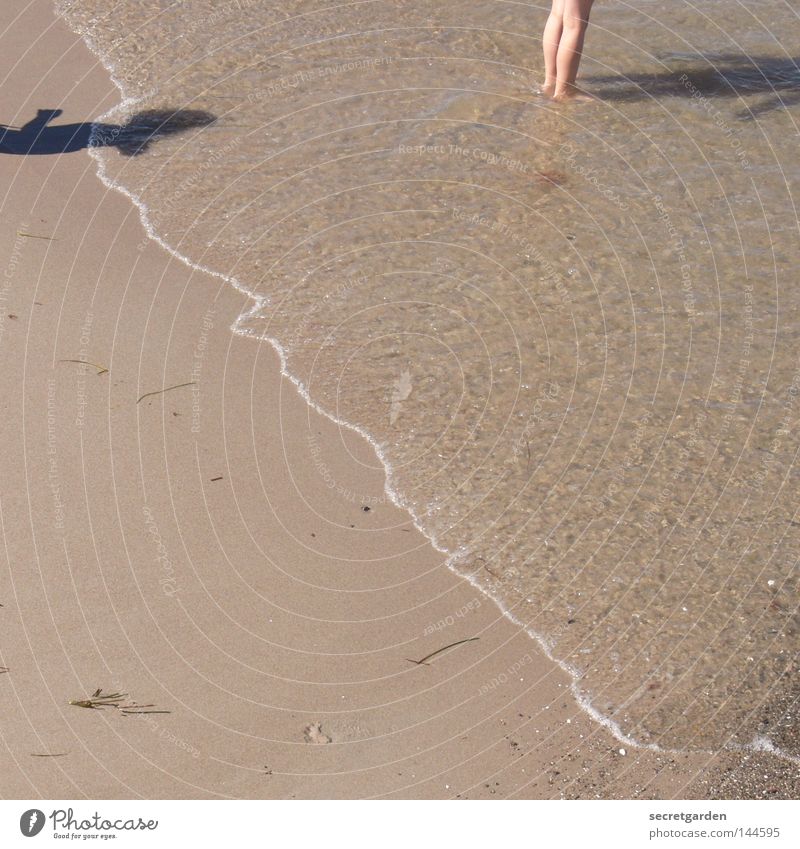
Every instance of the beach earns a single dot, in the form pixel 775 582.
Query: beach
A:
pixel 184 530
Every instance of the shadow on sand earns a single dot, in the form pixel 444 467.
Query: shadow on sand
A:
pixel 38 137
pixel 724 75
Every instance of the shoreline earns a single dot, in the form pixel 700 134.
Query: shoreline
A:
pixel 313 652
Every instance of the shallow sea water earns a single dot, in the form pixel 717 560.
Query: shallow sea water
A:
pixel 573 332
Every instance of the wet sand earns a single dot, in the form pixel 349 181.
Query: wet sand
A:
pixel 206 550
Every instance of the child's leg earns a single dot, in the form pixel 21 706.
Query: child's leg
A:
pixel 570 47
pixel 550 39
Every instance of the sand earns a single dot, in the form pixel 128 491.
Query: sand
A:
pixel 206 551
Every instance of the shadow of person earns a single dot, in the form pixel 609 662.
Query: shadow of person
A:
pixel 38 137
pixel 710 76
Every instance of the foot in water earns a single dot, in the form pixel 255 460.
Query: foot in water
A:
pixel 572 94
pixel 568 95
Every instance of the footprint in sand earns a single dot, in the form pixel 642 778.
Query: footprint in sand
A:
pixel 313 734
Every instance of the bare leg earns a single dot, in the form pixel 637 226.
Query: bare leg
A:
pixel 570 47
pixel 550 40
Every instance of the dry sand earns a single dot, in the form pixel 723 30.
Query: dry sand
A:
pixel 206 550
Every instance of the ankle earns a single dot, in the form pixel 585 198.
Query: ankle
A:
pixel 562 89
